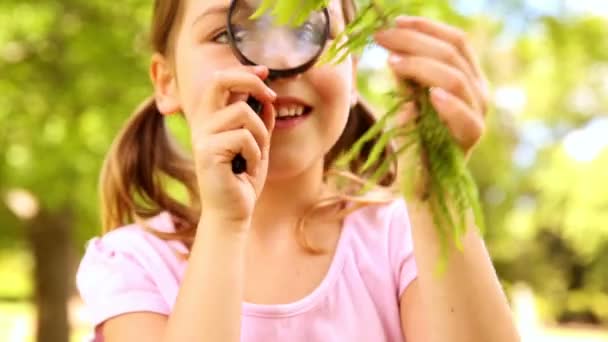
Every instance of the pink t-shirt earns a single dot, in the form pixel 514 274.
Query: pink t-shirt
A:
pixel 130 270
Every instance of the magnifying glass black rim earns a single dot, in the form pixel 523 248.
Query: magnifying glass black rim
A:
pixel 276 73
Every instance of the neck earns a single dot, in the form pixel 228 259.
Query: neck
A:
pixel 283 201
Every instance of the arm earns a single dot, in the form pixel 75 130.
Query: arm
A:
pixel 466 303
pixel 208 305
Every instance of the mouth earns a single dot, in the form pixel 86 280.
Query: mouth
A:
pixel 291 108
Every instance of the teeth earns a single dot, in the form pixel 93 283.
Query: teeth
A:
pixel 283 111
pixel 290 110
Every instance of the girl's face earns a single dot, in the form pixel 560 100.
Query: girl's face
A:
pixel 201 48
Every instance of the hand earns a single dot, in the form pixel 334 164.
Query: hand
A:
pixel 222 126
pixel 439 56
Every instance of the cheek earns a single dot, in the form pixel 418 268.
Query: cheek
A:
pixel 195 68
pixel 334 86
pixel 334 82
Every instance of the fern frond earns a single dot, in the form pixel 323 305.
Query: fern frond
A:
pixel 448 185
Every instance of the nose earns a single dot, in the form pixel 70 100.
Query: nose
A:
pixel 282 50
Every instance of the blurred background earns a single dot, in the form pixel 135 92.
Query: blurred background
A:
pixel 71 71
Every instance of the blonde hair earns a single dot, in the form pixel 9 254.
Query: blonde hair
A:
pixel 144 154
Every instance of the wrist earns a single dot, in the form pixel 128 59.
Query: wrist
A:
pixel 219 227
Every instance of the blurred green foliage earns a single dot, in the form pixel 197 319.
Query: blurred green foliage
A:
pixel 71 71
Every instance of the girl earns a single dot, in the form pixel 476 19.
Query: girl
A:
pixel 240 262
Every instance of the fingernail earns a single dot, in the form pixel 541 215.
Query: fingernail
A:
pixel 394 59
pixel 271 92
pixel 439 94
pixel 260 69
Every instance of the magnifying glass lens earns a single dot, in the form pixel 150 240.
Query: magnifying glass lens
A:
pixel 286 49
pixel 263 41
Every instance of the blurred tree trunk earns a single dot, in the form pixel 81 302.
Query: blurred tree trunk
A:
pixel 49 239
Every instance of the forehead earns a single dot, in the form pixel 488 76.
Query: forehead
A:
pixel 200 9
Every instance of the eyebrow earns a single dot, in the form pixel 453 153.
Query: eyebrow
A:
pixel 221 9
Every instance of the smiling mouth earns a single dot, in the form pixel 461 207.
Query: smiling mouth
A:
pixel 290 108
pixel 284 113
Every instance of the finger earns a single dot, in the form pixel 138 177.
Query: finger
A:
pixel 432 73
pixel 406 114
pixel 466 126
pixel 236 97
pixel 248 80
pixel 454 36
pixel 231 143
pixel 458 39
pixel 406 41
pixel 269 116
pixel 236 116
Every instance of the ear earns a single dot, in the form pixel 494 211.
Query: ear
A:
pixel 354 92
pixel 165 85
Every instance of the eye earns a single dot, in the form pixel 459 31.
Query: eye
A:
pixel 221 37
pixel 308 33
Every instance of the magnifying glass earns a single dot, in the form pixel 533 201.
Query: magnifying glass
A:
pixel 286 49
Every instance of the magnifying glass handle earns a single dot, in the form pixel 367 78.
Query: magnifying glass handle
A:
pixel 239 164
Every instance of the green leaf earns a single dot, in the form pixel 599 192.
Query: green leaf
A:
pixel 450 186
pixel 380 145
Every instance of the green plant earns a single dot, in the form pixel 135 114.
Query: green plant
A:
pixel 440 176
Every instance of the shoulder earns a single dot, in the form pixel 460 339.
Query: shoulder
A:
pixel 381 236
pixel 138 237
pixel 135 243
pixel 380 218
pixel 125 270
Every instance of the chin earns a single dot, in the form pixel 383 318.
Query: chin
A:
pixel 284 167
pixel 290 157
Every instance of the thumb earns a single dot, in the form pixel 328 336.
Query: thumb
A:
pixel 236 97
pixel 406 114
pixel 269 116
pixel 269 119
